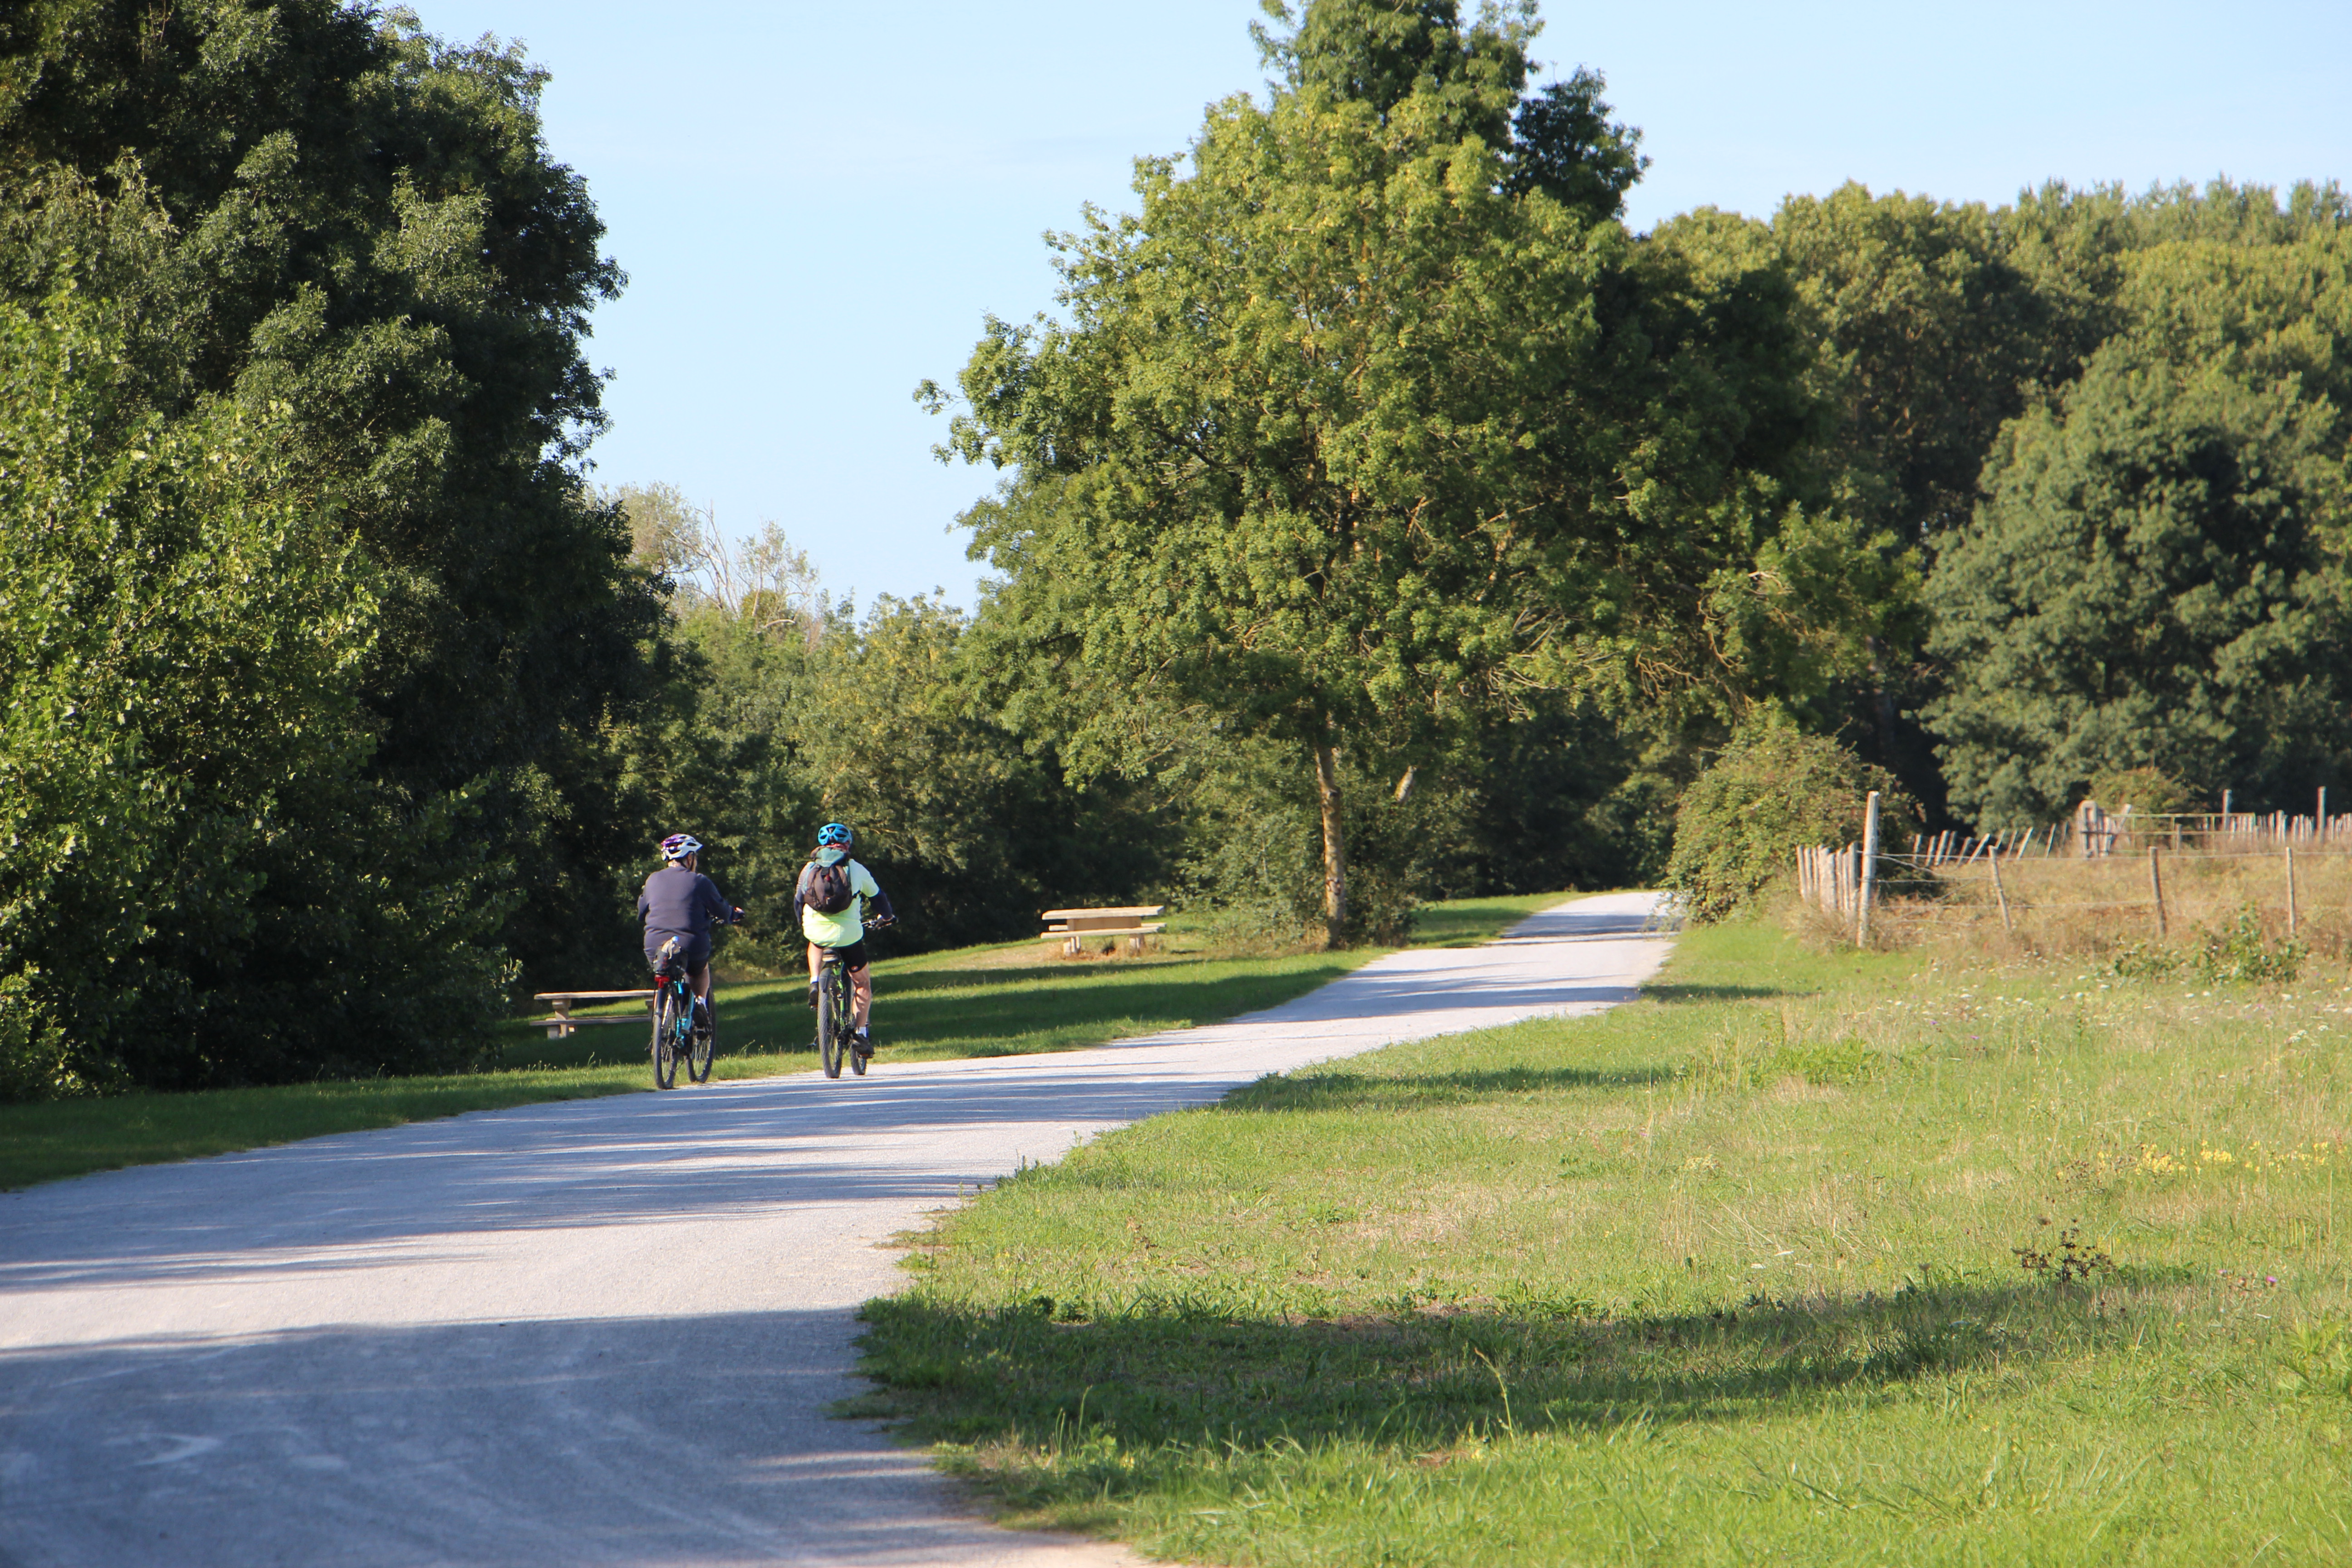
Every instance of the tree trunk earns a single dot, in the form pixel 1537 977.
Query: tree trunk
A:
pixel 1335 846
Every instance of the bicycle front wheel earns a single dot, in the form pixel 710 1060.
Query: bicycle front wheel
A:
pixel 666 1019
pixel 831 1028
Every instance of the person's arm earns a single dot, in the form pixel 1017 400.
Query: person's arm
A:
pixel 721 912
pixel 878 902
pixel 643 905
pixel 800 897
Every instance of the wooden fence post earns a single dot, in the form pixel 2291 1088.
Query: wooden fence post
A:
pixel 1869 869
pixel 2290 888
pixel 1994 865
pixel 2156 885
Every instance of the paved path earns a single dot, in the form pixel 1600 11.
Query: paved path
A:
pixel 597 1332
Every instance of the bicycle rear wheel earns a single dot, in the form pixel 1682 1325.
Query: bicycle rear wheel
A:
pixel 665 1037
pixel 831 1026
pixel 705 1042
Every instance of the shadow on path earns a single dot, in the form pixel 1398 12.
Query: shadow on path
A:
pixel 689 1440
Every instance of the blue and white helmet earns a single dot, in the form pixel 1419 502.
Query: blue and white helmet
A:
pixel 678 845
pixel 834 835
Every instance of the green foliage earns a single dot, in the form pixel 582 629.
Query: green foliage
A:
pixel 194 871
pixel 1564 144
pixel 2245 953
pixel 1344 445
pixel 1935 324
pixel 1772 792
pixel 2156 579
pixel 316 206
pixel 1928 330
pixel 2145 790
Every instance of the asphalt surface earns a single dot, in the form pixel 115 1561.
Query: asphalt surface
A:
pixel 596 1331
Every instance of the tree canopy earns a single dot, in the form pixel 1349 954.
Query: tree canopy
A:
pixel 1377 517
pixel 1346 443
pixel 2158 577
pixel 313 205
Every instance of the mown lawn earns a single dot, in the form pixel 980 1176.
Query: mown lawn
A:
pixel 971 1002
pixel 1804 1258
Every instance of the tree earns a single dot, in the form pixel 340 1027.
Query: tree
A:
pixel 1564 144
pixel 1344 444
pixel 311 205
pixel 2158 579
pixel 182 629
pixel 1930 335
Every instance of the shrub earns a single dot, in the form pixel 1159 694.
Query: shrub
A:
pixel 1772 792
pixel 2245 954
pixel 2146 790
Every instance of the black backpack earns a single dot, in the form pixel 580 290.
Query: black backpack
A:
pixel 830 890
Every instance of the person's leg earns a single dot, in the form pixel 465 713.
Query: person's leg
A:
pixel 861 984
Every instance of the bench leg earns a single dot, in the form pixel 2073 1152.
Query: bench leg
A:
pixel 1072 948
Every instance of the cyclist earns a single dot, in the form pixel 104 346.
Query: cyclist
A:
pixel 680 904
pixel 843 927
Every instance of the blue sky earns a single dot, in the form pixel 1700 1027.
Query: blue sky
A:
pixel 816 207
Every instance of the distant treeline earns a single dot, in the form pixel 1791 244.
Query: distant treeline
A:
pixel 1379 518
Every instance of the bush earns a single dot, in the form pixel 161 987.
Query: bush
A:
pixel 2146 790
pixel 1772 792
pixel 2244 953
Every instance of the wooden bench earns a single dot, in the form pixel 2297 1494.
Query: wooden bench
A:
pixel 563 1023
pixel 1072 927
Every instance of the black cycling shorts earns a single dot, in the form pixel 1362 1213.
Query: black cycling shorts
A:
pixel 852 957
pixel 695 950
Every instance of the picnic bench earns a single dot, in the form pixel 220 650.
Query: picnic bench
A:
pixel 563 1023
pixel 1072 927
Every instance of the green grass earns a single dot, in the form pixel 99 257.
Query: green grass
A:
pixel 989 1001
pixel 1804 1258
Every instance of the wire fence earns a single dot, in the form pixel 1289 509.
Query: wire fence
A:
pixel 2098 882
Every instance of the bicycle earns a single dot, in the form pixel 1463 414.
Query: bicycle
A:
pixel 835 1007
pixel 684 1030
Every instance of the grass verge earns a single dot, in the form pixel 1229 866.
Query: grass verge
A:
pixel 972 1001
pixel 1805 1256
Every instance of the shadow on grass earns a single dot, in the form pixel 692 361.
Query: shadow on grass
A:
pixel 1667 991
pixel 971 1012
pixel 1136 1000
pixel 1172 1374
pixel 1329 1091
pixel 980 977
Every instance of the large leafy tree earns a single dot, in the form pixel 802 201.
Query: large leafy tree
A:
pixel 316 205
pixel 183 627
pixel 2158 576
pixel 1930 333
pixel 1350 437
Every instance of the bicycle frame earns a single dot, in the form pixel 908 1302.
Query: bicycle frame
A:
pixel 837 1004
pixel 677 1037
